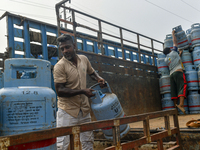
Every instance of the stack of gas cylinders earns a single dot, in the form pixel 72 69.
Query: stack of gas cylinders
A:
pixel 189 42
pixel 164 81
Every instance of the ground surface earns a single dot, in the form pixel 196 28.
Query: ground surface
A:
pixel 159 122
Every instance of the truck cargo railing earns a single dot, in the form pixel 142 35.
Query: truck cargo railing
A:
pixel 74 132
pixel 104 47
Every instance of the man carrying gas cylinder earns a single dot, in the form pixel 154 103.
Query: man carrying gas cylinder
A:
pixel 70 84
pixel 177 77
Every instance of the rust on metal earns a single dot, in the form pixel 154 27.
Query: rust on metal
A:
pixel 4 143
pixel 75 130
pixel 62 20
pixel 116 122
pixel 76 138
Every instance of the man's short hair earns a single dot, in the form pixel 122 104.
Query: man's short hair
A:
pixel 167 50
pixel 64 38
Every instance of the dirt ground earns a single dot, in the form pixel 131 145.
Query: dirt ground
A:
pixel 159 122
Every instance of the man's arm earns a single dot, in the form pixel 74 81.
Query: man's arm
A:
pixel 62 91
pixel 95 76
pixel 174 38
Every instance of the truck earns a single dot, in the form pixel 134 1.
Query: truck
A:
pixel 129 66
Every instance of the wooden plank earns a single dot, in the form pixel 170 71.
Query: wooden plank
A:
pixel 61 131
pixel 160 144
pixel 176 124
pixel 141 141
pixel 167 124
pixel 146 129
pixel 174 147
pixel 118 70
pixel 115 61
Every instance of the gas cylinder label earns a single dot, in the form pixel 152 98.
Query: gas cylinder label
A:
pixel 116 107
pixel 24 113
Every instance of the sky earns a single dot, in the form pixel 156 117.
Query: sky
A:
pixel 152 18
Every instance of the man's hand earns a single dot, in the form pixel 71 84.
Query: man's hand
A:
pixel 102 82
pixel 180 52
pixel 174 38
pixel 88 92
pixel 95 76
pixel 173 32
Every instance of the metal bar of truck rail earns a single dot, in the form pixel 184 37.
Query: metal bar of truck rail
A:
pixel 57 7
pixel 80 25
pixel 92 39
pixel 110 23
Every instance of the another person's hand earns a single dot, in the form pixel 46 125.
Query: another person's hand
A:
pixel 88 92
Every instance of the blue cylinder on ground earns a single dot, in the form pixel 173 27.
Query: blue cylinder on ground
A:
pixel 164 82
pixel 192 77
pixel 163 69
pixel 188 34
pixel 27 103
pixel 105 105
pixel 195 34
pixel 168 42
pixel 181 37
pixel 185 107
pixel 186 58
pixel 166 102
pixel 194 102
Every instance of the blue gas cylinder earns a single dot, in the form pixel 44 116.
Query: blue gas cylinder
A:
pixel 186 58
pixel 192 77
pixel 27 102
pixel 185 107
pixel 196 55
pixel 188 34
pixel 1 79
pixel 161 55
pixel 164 82
pixel 166 102
pixel 195 34
pixel 181 37
pixel 194 102
pixel 163 69
pixel 105 105
pixel 168 42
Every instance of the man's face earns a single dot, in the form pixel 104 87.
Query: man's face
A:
pixel 68 50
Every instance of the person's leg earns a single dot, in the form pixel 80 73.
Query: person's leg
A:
pixel 182 90
pixel 87 138
pixel 181 99
pixel 175 102
pixel 174 95
pixel 64 119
